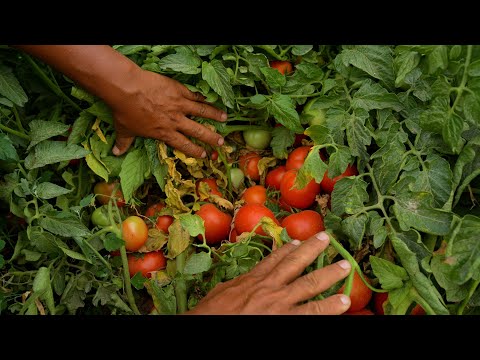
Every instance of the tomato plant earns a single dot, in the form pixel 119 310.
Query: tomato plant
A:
pixel 212 184
pixel 237 177
pixel 296 197
pixel 256 194
pixel 328 184
pixel 303 225
pixel 217 223
pixel 314 112
pixel 380 298
pixel 100 216
pixel 283 66
pixel 104 191
pixel 248 163
pixel 135 232
pixel 257 138
pixel 297 157
pixel 360 295
pixel 249 215
pixel 274 177
pixel 145 263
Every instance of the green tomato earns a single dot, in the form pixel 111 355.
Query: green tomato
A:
pixel 313 113
pixel 100 216
pixel 257 139
pixel 237 176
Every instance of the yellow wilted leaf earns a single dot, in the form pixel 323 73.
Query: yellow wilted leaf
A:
pixel 178 239
pixel 172 170
pixel 194 166
pixel 161 277
pixel 162 150
pixel 221 201
pixel 156 240
pixel 98 131
pixel 264 163
pixel 273 230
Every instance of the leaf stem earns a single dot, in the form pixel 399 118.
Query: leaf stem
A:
pixel 17 118
pixel 270 51
pixel 180 284
pixel 14 132
pixel 465 301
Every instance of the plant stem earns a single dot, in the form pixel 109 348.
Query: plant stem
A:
pixel 180 284
pixel 128 284
pixel 465 301
pixel 17 118
pixel 14 132
pixel 270 51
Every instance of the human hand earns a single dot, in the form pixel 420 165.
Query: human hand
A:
pixel 156 106
pixel 273 286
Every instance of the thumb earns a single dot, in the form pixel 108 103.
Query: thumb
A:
pixel 122 144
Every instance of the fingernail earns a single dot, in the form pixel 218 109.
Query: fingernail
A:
pixel 344 299
pixel 322 236
pixel 204 154
pixel 220 141
pixel 115 150
pixel 224 116
pixel 295 242
pixel 344 264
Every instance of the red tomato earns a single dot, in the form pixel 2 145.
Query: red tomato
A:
pixel 380 298
pixel 217 223
pixel 248 163
pixel 284 205
pixel 145 263
pixel 284 67
pixel 135 232
pixel 212 183
pixel 274 177
pixel 163 222
pixel 256 194
pixel 327 184
pixel 298 139
pixel 303 225
pixel 154 209
pixel 104 190
pixel 297 157
pixel 249 215
pixel 233 236
pixel 360 295
pixel 214 155
pixel 299 198
pixel 361 312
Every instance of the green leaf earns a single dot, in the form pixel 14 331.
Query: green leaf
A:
pixel 138 281
pixel 283 109
pixel 184 60
pixel 320 134
pixel 414 210
pixel 338 161
pixel 373 96
pixel 376 228
pixel 131 49
pixel 47 190
pixel 80 127
pixel 349 196
pixel 273 77
pixel 102 111
pixel 215 74
pixel 10 87
pixel 74 255
pixel 193 224
pixel 313 167
pixel 452 133
pixel 7 150
pixel 41 130
pixel 354 227
pixel 96 166
pixel 159 170
pixel 51 152
pixel 282 139
pixel 163 298
pixel 179 239
pixel 134 167
pixel 391 276
pixel 437 59
pixel 255 63
pixel 112 242
pixel 198 263
pixel 63 223
pixel 357 135
pixel 300 50
pixel 6 102
pixel 471 109
pixel 82 94
pixel 387 165
pixel 405 63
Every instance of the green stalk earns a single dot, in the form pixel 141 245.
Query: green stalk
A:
pixel 465 301
pixel 56 90
pixel 180 284
pixel 270 51
pixel 17 118
pixel 128 285
pixel 14 132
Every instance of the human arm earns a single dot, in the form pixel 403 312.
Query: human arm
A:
pixel 143 103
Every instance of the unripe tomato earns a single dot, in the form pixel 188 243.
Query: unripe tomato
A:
pixel 283 66
pixel 248 163
pixel 249 215
pixel 145 263
pixel 216 222
pixel 274 177
pixel 236 176
pixel 257 138
pixel 303 225
pixel 327 184
pixel 103 192
pixel 100 216
pixel 135 232
pixel 256 194
pixel 299 198
pixel 360 295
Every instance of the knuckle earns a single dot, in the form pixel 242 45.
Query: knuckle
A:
pixel 311 282
pixel 202 109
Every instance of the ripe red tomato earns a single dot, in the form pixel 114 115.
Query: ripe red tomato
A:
pixel 248 163
pixel 299 198
pixel 249 215
pixel 216 222
pixel 274 177
pixel 163 222
pixel 214 155
pixel 104 190
pixel 285 67
pixel 145 263
pixel 303 225
pixel 380 298
pixel 153 209
pixel 361 312
pixel 284 205
pixel 212 183
pixel 360 295
pixel 233 236
pixel 256 194
pixel 327 184
pixel 135 232
pixel 297 157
